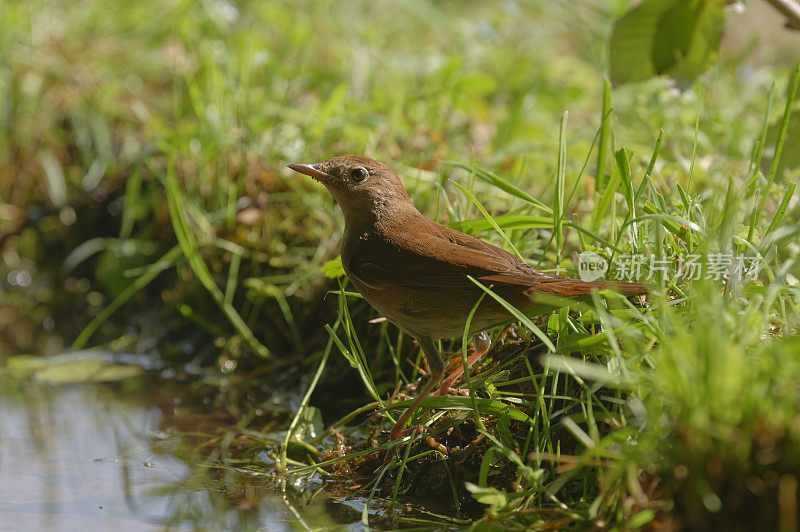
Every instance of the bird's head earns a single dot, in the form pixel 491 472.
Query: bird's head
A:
pixel 367 190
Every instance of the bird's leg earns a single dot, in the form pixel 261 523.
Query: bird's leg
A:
pixel 436 365
pixel 482 344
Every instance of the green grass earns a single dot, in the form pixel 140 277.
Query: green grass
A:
pixel 121 127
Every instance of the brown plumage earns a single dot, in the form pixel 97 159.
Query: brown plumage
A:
pixel 414 270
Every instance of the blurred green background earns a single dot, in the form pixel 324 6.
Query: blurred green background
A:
pixel 146 207
pixel 99 99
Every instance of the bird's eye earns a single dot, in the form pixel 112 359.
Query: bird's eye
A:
pixel 358 174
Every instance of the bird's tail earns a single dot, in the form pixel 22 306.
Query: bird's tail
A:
pixel 575 287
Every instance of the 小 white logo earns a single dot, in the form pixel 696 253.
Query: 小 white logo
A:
pixel 591 266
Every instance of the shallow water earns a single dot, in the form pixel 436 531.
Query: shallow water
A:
pixel 120 457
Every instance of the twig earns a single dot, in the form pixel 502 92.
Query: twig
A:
pixel 789 9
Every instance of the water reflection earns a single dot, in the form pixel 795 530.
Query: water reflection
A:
pixel 130 456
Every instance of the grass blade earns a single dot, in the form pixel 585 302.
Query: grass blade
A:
pixel 622 160
pixel 787 114
pixel 605 130
pixel 166 261
pixel 280 464
pixel 489 218
pixel 503 185
pixel 188 243
pixel 558 196
pixel 504 221
pixel 781 212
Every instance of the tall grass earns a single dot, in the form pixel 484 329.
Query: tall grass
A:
pixel 667 395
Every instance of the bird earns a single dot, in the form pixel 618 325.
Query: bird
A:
pixel 416 272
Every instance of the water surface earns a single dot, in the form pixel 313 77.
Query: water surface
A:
pixel 142 453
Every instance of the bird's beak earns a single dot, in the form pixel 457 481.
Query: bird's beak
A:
pixel 310 170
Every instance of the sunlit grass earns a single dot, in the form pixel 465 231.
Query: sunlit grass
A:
pixel 697 347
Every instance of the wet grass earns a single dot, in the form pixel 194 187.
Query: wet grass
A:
pixel 144 189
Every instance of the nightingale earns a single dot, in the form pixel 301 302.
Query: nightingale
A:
pixel 414 271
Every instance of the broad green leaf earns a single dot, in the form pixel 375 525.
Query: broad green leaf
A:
pixel 675 37
pixel 708 22
pixel 631 43
pixel 674 33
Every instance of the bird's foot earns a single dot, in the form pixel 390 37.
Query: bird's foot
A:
pixel 398 433
pixel 482 344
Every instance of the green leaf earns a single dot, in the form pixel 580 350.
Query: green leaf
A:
pixel 641 519
pixel 191 249
pixel 491 390
pixel 333 269
pixel 310 422
pixel 631 43
pixel 493 497
pixel 674 32
pixel 781 211
pixel 675 37
pixel 503 432
pixel 707 19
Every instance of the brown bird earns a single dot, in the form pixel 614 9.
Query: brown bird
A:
pixel 414 270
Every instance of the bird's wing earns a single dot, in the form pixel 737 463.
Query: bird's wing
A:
pixel 444 257
pixel 491 264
